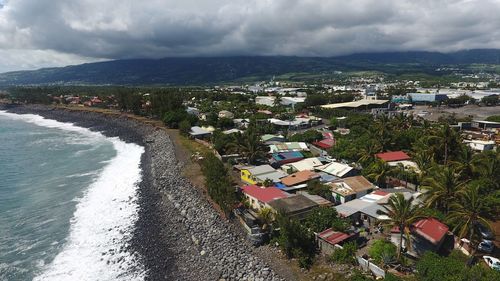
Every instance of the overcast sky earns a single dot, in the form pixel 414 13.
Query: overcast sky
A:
pixel 40 33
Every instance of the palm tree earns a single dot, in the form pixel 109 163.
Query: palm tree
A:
pixel 367 153
pixel 487 164
pixel 441 188
pixel 249 145
pixel 466 213
pixel 402 214
pixel 379 171
pixel 445 140
pixel 465 163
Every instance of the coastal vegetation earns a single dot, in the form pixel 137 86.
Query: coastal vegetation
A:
pixel 218 183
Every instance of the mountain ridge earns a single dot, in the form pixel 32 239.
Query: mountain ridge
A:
pixel 206 70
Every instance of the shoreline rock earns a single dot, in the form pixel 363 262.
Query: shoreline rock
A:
pixel 179 235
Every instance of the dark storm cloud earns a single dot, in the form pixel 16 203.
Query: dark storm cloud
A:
pixel 70 31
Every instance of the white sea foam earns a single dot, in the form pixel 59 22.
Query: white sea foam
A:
pixel 104 217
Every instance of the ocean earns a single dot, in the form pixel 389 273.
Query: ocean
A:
pixel 68 202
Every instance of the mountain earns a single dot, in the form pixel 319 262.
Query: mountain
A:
pixel 206 70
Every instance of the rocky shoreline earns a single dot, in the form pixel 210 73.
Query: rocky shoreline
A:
pixel 179 236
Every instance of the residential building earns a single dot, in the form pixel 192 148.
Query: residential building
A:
pixel 259 174
pixel 485 125
pixel 226 114
pixel 325 143
pixel 259 197
pixel 296 206
pixel 299 179
pixel 338 169
pixel 328 239
pixel 480 145
pixel 271 139
pixel 199 133
pixel 308 164
pixel 288 146
pixel 426 235
pixel 347 189
pixel 282 158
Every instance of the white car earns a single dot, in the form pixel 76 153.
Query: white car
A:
pixel 492 262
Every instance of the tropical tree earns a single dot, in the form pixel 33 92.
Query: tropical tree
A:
pixel 487 164
pixel 467 212
pixel 379 171
pixel 465 164
pixel 441 188
pixel 402 214
pixel 445 140
pixel 249 145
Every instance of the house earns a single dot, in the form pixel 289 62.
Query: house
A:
pixel 299 178
pixel 270 139
pixel 259 174
pixel 398 158
pixel 199 133
pixel 338 169
pixel 364 210
pixel 426 235
pixel 282 158
pixel 259 197
pixel 393 156
pixel 232 131
pixel 241 123
pixel 325 143
pixel 480 145
pixel 322 202
pixel 226 114
pixel 193 111
pixel 485 125
pixel 295 206
pixel 288 146
pixel 347 189
pixel 308 164
pixel 265 100
pixel 328 239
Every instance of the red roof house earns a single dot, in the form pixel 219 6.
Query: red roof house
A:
pixel 427 235
pixel 260 196
pixel 325 144
pixel 329 238
pixel 431 229
pixel 393 156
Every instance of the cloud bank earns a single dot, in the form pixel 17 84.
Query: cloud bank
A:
pixel 36 33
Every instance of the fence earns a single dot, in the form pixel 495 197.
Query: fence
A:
pixel 367 265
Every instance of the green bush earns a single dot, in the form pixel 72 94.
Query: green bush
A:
pixel 382 251
pixel 346 254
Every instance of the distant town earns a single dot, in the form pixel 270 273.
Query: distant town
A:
pixel 396 180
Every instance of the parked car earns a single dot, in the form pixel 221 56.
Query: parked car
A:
pixel 486 246
pixel 485 232
pixel 492 262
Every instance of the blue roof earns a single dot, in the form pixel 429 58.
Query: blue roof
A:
pixel 287 155
pixel 279 185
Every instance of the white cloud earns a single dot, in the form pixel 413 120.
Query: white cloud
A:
pixel 80 29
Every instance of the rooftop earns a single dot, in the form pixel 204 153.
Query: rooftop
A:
pixel 393 156
pixel 262 169
pixel 351 185
pixel 292 204
pixel 299 177
pixel 264 194
pixel 336 169
pixel 334 237
pixel 355 104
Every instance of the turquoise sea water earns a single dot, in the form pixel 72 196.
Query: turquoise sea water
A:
pixel 67 195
